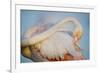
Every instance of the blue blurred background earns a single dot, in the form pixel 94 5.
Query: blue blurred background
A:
pixel 31 18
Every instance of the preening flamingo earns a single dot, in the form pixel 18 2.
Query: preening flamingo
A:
pixel 53 44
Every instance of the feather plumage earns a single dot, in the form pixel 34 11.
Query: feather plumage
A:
pixel 55 42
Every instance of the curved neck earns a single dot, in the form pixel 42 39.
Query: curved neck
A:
pixel 42 36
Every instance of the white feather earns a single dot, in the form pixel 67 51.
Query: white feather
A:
pixel 57 45
pixel 54 43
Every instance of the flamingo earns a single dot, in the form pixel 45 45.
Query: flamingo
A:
pixel 53 44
